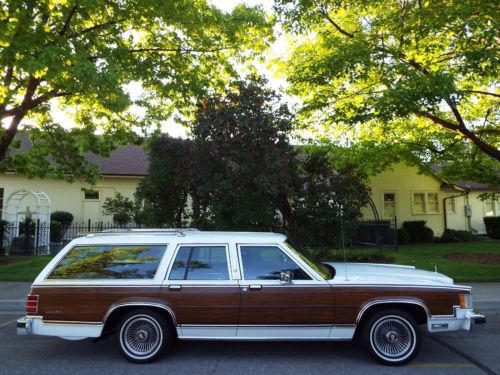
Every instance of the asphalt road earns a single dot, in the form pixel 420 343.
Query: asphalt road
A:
pixel 475 352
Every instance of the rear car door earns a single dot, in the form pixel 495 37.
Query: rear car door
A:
pixel 200 290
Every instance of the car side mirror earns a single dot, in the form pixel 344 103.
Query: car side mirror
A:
pixel 286 277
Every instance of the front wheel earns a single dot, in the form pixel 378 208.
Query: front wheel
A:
pixel 143 336
pixel 392 337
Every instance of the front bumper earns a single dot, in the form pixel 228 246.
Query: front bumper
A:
pixel 462 320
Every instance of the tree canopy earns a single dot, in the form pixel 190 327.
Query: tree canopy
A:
pixel 418 73
pixel 89 56
pixel 239 172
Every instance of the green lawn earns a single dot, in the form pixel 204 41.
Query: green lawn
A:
pixel 432 256
pixel 425 256
pixel 22 268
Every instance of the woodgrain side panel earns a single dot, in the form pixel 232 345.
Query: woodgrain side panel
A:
pixel 350 300
pixel 287 305
pixel 204 305
pixel 87 304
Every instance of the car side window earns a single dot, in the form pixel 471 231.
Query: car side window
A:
pixel 200 263
pixel 109 262
pixel 267 263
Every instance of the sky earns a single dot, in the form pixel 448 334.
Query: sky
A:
pixel 170 126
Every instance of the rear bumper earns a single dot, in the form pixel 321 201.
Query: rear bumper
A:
pixel 34 325
pixel 23 326
pixel 462 320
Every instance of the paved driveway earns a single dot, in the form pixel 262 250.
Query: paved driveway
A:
pixel 443 354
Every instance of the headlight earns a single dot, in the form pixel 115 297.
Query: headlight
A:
pixel 465 301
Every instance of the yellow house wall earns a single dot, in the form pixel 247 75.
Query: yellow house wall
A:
pixel 69 196
pixel 479 211
pixel 404 180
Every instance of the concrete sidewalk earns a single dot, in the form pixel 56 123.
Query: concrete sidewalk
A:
pixel 13 296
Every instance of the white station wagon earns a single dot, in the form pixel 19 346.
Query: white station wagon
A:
pixel 150 287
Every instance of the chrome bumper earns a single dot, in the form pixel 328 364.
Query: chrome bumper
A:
pixel 462 320
pixel 23 326
pixel 478 318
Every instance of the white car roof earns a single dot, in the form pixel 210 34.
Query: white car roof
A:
pixel 177 235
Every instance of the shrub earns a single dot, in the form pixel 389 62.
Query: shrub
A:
pixel 63 217
pixel 492 226
pixel 452 235
pixel 416 229
pixel 404 236
pixel 56 231
pixel 427 235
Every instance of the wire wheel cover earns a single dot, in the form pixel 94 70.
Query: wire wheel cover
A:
pixel 141 336
pixel 392 338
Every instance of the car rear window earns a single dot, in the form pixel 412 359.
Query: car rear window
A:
pixel 200 263
pixel 109 262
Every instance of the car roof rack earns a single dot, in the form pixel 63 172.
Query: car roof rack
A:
pixel 124 231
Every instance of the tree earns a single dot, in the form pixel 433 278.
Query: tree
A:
pixel 123 209
pixel 325 196
pixel 82 56
pixel 419 73
pixel 243 155
pixel 239 171
pixel 164 192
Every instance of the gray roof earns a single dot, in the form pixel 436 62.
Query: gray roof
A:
pixel 126 161
pixel 130 160
pixel 466 185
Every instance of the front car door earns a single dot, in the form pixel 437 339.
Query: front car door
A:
pixel 272 308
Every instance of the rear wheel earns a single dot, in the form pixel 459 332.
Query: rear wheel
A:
pixel 392 337
pixel 143 336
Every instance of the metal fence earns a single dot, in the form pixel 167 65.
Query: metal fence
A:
pixel 36 238
pixel 14 241
pixel 376 233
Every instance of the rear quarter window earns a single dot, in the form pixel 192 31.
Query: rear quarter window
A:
pixel 109 262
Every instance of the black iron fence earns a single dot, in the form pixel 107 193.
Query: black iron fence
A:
pixel 39 238
pixel 376 233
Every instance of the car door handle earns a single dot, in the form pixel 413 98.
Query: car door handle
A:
pixel 255 287
pixel 174 287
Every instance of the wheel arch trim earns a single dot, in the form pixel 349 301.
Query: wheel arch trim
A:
pixel 117 306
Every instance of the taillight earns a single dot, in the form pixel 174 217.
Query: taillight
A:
pixel 32 304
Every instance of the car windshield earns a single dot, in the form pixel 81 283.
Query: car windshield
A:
pixel 320 268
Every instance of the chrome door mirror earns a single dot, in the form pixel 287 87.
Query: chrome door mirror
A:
pixel 286 277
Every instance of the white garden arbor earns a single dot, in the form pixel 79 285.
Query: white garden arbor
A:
pixel 15 212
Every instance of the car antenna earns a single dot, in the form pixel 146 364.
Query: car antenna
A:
pixel 342 240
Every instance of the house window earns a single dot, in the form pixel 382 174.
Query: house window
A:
pixel 425 203
pixel 389 204
pixel 432 203
pixel 491 207
pixel 90 194
pixel 451 207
